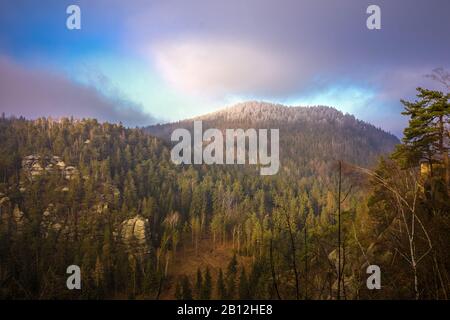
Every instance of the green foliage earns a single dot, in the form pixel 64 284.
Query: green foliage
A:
pixel 425 137
pixel 283 227
pixel 207 286
pixel 221 289
pixel 186 289
pixel 199 283
pixel 244 290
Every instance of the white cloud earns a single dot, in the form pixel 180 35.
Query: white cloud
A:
pixel 220 67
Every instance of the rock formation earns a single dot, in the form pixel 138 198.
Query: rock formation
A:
pixel 35 165
pixel 135 235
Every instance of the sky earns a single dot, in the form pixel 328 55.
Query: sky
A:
pixel 143 62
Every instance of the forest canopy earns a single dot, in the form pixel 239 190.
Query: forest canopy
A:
pixel 108 198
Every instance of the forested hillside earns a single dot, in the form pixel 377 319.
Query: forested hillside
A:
pixel 110 200
pixel 309 136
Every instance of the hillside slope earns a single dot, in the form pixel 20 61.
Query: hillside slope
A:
pixel 109 199
pixel 306 133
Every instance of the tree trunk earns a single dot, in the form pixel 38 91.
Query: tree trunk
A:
pixel 272 267
pixel 294 264
pixel 306 260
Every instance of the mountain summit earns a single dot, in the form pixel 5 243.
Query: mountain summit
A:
pixel 313 133
pixel 264 111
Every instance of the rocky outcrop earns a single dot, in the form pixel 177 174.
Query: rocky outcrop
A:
pixel 50 221
pixel 11 220
pixel 35 165
pixel 18 219
pixel 5 209
pixel 135 235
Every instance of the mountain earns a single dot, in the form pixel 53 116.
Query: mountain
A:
pixel 110 200
pixel 317 133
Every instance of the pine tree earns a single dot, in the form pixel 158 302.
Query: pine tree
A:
pixel 178 290
pixel 99 277
pixel 207 286
pixel 243 285
pixel 186 288
pixel 232 266
pixel 221 290
pixel 231 277
pixel 426 137
pixel 198 283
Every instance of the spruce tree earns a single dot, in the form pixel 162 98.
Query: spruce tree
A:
pixel 207 286
pixel 221 290
pixel 186 288
pixel 231 277
pixel 198 283
pixel 178 291
pixel 243 285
